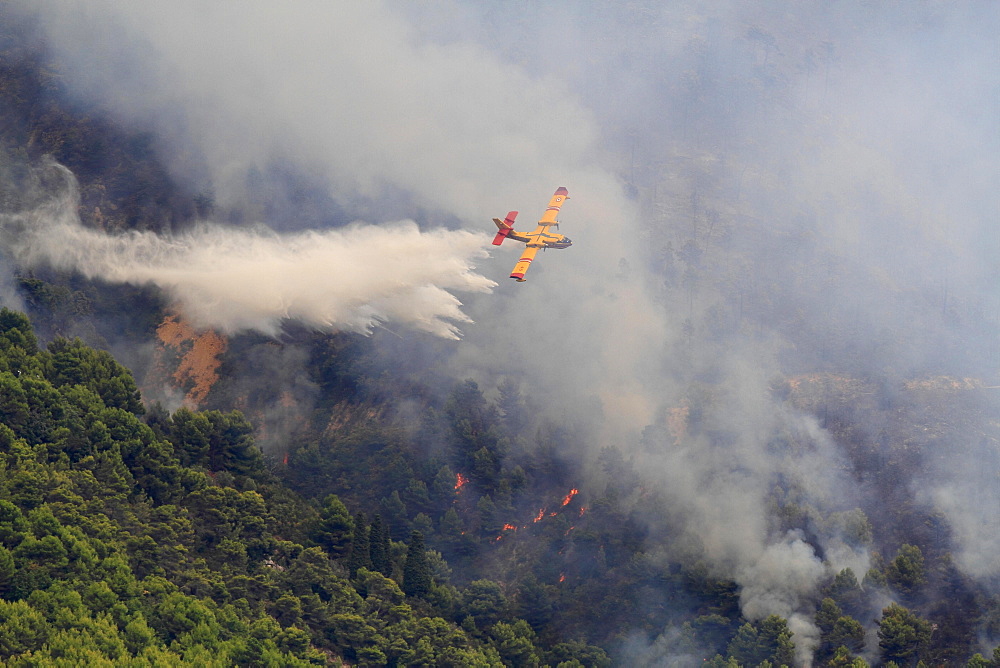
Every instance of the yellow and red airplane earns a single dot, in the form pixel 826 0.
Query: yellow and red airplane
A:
pixel 540 238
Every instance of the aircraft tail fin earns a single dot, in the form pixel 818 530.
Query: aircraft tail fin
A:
pixel 506 226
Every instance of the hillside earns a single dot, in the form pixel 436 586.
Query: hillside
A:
pixel 166 538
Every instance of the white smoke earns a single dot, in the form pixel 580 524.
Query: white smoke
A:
pixel 235 280
pixel 973 517
pixel 783 581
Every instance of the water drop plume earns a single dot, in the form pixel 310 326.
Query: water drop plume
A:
pixel 234 280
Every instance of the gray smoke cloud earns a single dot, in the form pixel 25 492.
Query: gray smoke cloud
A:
pixel 755 193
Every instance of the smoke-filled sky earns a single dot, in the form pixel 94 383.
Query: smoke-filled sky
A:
pixel 756 190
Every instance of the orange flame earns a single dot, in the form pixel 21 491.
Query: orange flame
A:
pixel 460 480
pixel 509 527
pixel 569 497
pixel 540 515
pixel 285 460
pixel 562 577
pixel 583 509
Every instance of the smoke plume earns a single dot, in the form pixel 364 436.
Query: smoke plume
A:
pixel 236 280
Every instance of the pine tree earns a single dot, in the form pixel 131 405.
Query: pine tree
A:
pixel 394 516
pixel 902 636
pixel 335 530
pixel 416 570
pixel 378 546
pixel 906 572
pixel 360 556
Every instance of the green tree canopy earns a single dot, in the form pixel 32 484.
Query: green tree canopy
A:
pixel 902 636
pixel 334 530
pixel 416 568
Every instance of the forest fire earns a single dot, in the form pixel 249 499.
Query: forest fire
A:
pixel 460 481
pixel 569 497
pixel 540 515
pixel 506 528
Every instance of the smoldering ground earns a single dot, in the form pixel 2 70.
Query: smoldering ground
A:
pixel 755 193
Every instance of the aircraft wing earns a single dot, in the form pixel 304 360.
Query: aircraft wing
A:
pixel 549 217
pixel 522 265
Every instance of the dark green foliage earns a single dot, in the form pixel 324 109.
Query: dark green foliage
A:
pixel 360 555
pixel 837 630
pixel 362 467
pixel 902 636
pixel 476 440
pixel 416 568
pixel 7 571
pixel 442 488
pixel 16 332
pixel 73 363
pixel 484 602
pixel 847 593
pixel 954 605
pixel 535 602
pixel 13 403
pixel 586 655
pixel 768 641
pixel 189 432
pixel 490 524
pixel 511 407
pixel 397 523
pixel 335 528
pixel 216 441
pixel 905 572
pixel 114 550
pixel 978 661
pixel 378 547
pixel 515 643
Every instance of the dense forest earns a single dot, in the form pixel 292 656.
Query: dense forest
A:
pixel 408 515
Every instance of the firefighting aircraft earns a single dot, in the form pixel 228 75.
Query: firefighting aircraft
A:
pixel 540 238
